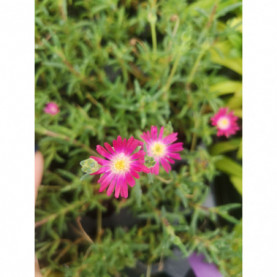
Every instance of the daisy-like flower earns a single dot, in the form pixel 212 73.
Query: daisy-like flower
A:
pixel 162 149
pixel 51 108
pixel 121 165
pixel 225 122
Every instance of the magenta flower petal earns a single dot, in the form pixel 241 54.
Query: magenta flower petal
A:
pixel 124 191
pixel 161 132
pixel 170 138
pixel 145 137
pixel 119 143
pixel 120 165
pixel 130 180
pixel 106 182
pixel 138 155
pixel 162 149
pixel 175 147
pixel 154 131
pixel 134 174
pixel 225 122
pixel 155 169
pixel 175 156
pixel 112 185
pixel 145 169
pixel 109 148
pixel 165 165
pixel 51 108
pixel 102 151
pixel 103 178
pixel 101 170
pixel 99 160
pixel 170 160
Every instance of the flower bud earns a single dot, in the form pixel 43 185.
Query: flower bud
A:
pixel 152 18
pixel 149 161
pixel 89 166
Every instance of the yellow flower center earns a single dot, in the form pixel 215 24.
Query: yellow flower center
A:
pixel 158 149
pixel 223 123
pixel 120 164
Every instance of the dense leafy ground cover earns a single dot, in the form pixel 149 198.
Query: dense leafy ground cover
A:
pixel 117 68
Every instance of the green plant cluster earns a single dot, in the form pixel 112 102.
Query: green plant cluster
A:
pixel 116 68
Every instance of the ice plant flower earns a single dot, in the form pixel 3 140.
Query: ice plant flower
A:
pixel 162 149
pixel 225 122
pixel 121 165
pixel 51 108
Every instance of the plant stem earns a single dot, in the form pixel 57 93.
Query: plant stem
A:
pixel 87 81
pixel 152 18
pixel 193 142
pixel 173 70
pixel 203 50
pixel 49 133
pixel 154 36
pixel 148 271
pixel 174 18
pixel 63 211
pixel 84 233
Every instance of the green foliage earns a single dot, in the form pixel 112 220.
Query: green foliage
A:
pixel 116 68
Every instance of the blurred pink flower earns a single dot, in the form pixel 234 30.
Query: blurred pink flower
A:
pixel 51 108
pixel 225 122
pixel 163 150
pixel 121 166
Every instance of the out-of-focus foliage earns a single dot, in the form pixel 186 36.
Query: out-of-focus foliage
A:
pixel 116 68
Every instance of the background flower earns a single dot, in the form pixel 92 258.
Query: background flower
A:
pixel 51 108
pixel 225 122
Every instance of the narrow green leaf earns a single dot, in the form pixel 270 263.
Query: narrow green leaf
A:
pixel 222 147
pixel 229 166
pixel 237 182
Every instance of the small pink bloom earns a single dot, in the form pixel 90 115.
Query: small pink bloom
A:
pixel 225 122
pixel 162 149
pixel 121 165
pixel 51 108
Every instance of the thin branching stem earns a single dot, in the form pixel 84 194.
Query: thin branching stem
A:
pixel 60 212
pixel 49 133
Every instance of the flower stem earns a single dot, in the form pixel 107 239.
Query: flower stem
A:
pixel 169 80
pixel 154 35
pixel 203 50
pixel 193 142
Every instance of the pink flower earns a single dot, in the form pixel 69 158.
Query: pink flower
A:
pixel 226 123
pixel 51 108
pixel 163 150
pixel 121 166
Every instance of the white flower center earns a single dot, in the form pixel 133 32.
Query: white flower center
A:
pixel 223 123
pixel 158 149
pixel 120 164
